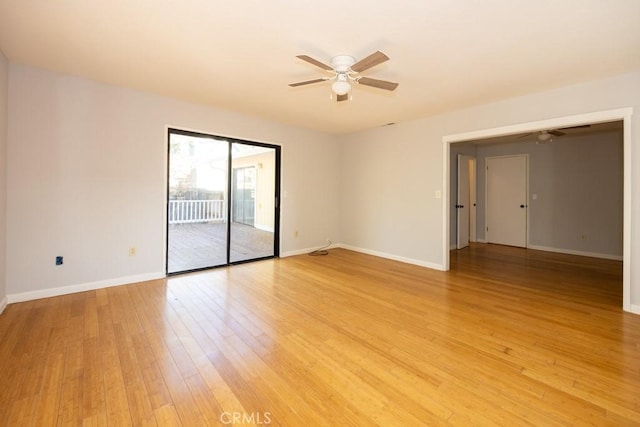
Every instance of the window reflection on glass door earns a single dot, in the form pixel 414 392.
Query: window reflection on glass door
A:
pixel 253 195
pixel 243 194
pixel 197 211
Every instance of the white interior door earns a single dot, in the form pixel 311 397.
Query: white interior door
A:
pixel 506 185
pixel 463 202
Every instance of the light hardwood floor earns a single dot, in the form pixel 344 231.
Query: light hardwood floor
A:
pixel 508 337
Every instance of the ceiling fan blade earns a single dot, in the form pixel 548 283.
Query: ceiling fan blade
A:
pixel 556 133
pixel 576 127
pixel 380 84
pixel 315 62
pixel 370 61
pixel 308 82
pixel 340 98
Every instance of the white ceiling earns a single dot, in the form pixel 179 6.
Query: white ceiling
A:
pixel 240 55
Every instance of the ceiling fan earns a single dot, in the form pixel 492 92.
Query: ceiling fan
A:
pixel 344 70
pixel 544 136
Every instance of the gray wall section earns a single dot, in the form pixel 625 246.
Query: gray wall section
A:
pixel 578 181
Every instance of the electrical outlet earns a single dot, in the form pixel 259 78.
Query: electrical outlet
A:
pixel 295 233
pixel 582 237
pixel 132 251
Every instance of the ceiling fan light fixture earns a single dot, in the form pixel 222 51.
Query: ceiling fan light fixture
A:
pixel 544 136
pixel 341 87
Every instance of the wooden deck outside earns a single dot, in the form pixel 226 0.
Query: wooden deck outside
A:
pixel 201 245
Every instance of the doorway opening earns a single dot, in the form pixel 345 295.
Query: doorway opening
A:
pixel 465 201
pixel 619 238
pixel 222 201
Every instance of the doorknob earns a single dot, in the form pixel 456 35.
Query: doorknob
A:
pixel 522 206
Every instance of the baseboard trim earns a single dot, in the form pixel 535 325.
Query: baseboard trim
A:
pixel 574 252
pixel 368 252
pixel 3 304
pixel 635 309
pixel 308 250
pixel 395 257
pixel 72 289
pixel 296 252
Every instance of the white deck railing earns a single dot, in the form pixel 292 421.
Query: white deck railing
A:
pixel 190 211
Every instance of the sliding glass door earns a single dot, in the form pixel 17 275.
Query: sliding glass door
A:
pixel 222 201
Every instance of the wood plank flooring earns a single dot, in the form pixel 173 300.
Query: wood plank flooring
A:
pixel 508 337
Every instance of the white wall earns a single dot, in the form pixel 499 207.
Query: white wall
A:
pixel 86 180
pixel 86 177
pixel 388 183
pixel 391 174
pixel 4 82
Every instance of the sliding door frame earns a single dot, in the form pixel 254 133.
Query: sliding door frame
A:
pixel 276 195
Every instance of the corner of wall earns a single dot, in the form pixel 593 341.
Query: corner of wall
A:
pixel 4 112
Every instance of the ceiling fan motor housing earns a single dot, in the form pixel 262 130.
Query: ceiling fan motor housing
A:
pixel 342 63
